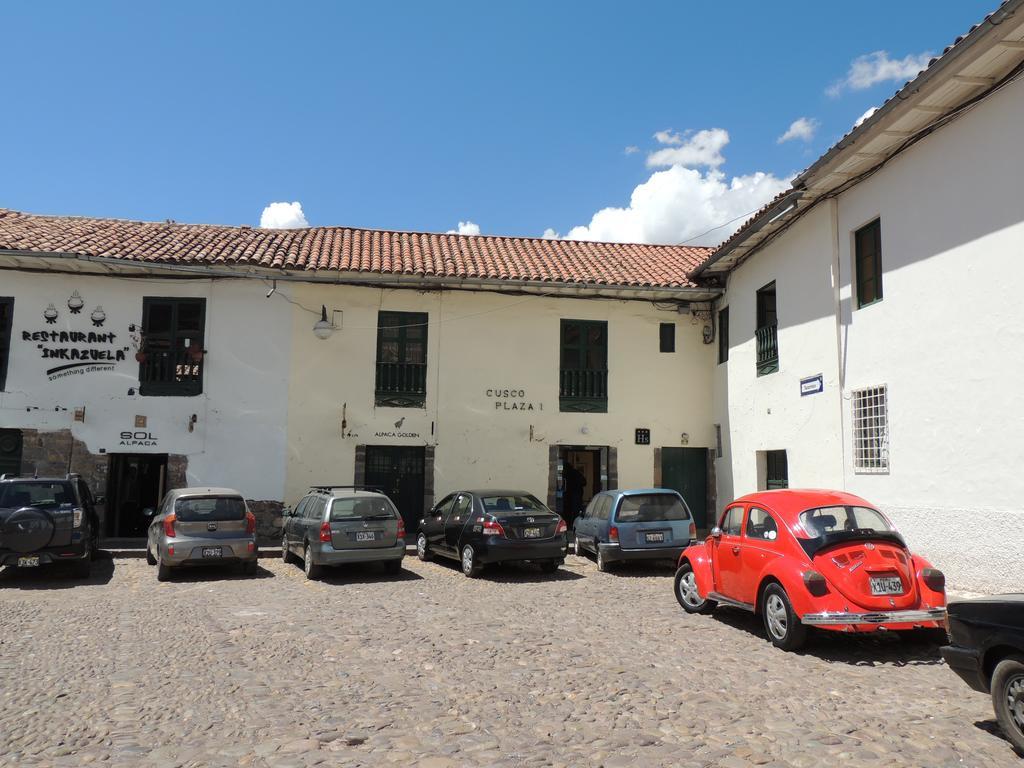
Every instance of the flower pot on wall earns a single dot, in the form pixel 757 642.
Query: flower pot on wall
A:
pixel 141 356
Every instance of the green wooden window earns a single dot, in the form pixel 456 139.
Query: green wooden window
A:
pixel 723 335
pixel 401 359
pixel 767 333
pixel 172 353
pixel 867 244
pixel 583 381
pixel 667 337
pixel 776 470
pixel 6 321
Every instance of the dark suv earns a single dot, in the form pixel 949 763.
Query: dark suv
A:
pixel 47 520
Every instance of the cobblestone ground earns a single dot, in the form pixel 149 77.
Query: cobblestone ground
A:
pixel 430 668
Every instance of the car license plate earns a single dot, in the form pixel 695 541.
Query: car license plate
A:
pixel 28 562
pixel 366 536
pixel 886 585
pixel 531 533
pixel 212 551
pixel 655 538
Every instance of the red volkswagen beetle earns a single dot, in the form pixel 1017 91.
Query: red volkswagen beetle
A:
pixel 803 558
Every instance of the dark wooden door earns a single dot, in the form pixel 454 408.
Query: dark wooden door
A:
pixel 398 471
pixel 686 470
pixel 10 451
pixel 135 482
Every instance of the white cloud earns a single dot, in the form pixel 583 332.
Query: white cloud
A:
pixel 865 116
pixel 632 149
pixel 876 67
pixel 465 228
pixel 802 128
pixel 681 205
pixel 702 148
pixel 283 216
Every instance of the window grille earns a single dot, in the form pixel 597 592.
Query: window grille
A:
pixel 871 430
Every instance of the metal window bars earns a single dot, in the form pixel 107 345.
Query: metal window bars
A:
pixel 871 430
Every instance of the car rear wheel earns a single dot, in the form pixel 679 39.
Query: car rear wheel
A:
pixel 687 593
pixel 602 564
pixel 578 546
pixel 1008 698
pixel 470 567
pixel 149 556
pixel 163 572
pixel 780 622
pixel 422 548
pixel 312 570
pixel 83 567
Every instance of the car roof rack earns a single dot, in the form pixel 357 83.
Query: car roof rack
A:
pixel 333 487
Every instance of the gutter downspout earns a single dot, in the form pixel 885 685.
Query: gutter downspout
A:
pixel 833 209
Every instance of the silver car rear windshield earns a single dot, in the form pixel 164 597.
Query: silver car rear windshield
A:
pixel 36 494
pixel 513 503
pixel 651 508
pixel 347 509
pixel 196 508
pixel 827 520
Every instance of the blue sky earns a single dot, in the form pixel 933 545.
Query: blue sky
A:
pixel 416 115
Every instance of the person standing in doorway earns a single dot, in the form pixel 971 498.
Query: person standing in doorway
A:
pixel 575 482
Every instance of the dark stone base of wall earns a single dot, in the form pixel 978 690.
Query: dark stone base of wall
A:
pixel 268 520
pixel 55 454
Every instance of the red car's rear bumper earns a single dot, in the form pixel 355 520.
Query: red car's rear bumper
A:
pixel 927 617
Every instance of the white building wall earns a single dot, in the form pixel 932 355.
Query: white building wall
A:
pixel 947 340
pixel 238 438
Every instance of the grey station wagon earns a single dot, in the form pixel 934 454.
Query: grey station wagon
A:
pixel 337 524
pixel 643 524
pixel 201 526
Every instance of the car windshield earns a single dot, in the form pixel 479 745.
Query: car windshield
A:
pixel 347 509
pixel 513 503
pixel 35 494
pixel 826 520
pixel 652 508
pixel 198 508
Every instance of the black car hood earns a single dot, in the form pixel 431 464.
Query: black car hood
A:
pixel 1004 610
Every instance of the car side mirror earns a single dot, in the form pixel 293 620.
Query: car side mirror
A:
pixel 716 532
pixel 149 512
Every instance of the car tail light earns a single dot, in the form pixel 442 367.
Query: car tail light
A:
pixel 401 528
pixel 252 546
pixel 169 525
pixel 325 531
pixel 693 530
pixel 493 528
pixel 934 579
pixel 170 550
pixel 815 583
pixel 613 534
pixel 76 519
pixel 561 527
pixel 250 522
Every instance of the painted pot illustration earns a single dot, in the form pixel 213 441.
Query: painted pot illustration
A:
pixel 98 316
pixel 75 303
pixel 51 314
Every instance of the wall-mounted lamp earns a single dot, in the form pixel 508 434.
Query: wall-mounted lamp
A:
pixel 323 328
pixel 192 422
pixel 685 438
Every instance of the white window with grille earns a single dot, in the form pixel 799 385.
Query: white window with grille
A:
pixel 871 430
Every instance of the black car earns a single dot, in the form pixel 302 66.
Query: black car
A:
pixel 987 650
pixel 482 527
pixel 47 520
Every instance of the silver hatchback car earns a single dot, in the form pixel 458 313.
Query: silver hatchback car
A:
pixel 201 526
pixel 337 524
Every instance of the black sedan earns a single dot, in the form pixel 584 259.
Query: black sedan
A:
pixel 987 650
pixel 482 527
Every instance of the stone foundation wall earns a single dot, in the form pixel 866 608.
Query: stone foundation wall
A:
pixel 58 453
pixel 268 520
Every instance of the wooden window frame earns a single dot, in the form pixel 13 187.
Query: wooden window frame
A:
pixel 867 245
pixel 5 339
pixel 667 337
pixel 189 386
pixel 766 334
pixel 723 335
pixel 582 389
pixel 401 384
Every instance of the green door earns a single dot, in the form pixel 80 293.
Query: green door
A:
pixel 686 470
pixel 10 451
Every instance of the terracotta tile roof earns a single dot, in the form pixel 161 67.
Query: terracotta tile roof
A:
pixel 355 250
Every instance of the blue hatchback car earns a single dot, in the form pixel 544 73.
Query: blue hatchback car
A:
pixel 643 524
